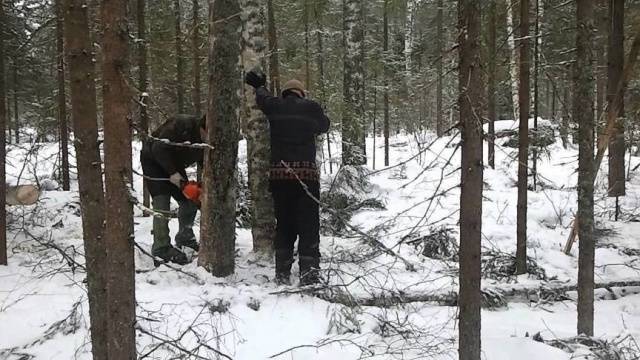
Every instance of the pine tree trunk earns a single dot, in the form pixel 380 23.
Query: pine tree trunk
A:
pixel 307 53
pixel 523 135
pixel 274 64
pixel 195 45
pixel 256 130
pixel 143 84
pixel 117 160
pixel 564 126
pixel 616 64
pixel 439 74
pixel 179 57
pixel 62 102
pixel 79 54
pixel 470 104
pixel 217 251
pixel 491 88
pixel 3 141
pixel 353 116
pixel 386 76
pixel 583 100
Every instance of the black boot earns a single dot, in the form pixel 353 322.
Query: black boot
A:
pixel 169 254
pixel 309 270
pixel 284 260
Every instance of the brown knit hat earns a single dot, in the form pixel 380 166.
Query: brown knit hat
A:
pixel 294 84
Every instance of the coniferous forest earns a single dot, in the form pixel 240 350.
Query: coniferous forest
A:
pixel 320 179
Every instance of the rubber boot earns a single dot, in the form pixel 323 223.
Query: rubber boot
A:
pixel 284 261
pixel 309 270
pixel 186 216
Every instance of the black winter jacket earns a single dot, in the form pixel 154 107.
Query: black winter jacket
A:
pixel 295 122
pixel 169 158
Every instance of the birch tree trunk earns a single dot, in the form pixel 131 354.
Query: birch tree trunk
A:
pixel 513 59
pixel 256 130
pixel 583 99
pixel 217 250
pixel 353 114
pixel 117 160
pixel 79 54
pixel 470 105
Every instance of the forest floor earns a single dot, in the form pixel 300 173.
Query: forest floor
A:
pixel 391 271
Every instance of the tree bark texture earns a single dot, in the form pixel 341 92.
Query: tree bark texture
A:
pixel 3 141
pixel 491 87
pixel 583 100
pixel 256 130
pixel 177 13
pixel 218 236
pixel 274 64
pixel 143 82
pixel 195 45
pixel 615 67
pixel 523 135
pixel 79 54
pixel 63 127
pixel 117 160
pixel 439 72
pixel 470 105
pixel 386 76
pixel 353 114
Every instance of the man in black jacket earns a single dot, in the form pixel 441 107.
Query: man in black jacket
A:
pixel 164 164
pixel 294 124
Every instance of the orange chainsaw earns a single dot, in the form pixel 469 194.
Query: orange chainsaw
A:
pixel 192 191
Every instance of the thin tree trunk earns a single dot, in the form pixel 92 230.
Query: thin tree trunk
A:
pixel 353 116
pixel 616 64
pixel 386 75
pixel 274 64
pixel 513 59
pixel 256 131
pixel 195 45
pixel 523 135
pixel 470 104
pixel 307 52
pixel 62 101
pixel 564 126
pixel 3 141
pixel 321 78
pixel 79 54
pixel 179 57
pixel 439 73
pixel 536 91
pixel 602 23
pixel 583 100
pixel 143 84
pixel 16 118
pixel 117 160
pixel 491 89
pixel 217 252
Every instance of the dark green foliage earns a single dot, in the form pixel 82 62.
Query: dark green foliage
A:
pixel 343 206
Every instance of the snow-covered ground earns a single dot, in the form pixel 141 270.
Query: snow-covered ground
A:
pixel 44 313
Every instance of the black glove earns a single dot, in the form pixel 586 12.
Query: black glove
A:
pixel 255 78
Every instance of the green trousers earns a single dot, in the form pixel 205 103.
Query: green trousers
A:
pixel 186 216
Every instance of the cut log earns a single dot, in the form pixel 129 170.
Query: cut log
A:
pixel 492 297
pixel 22 195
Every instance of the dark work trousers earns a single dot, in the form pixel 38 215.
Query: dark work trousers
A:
pixel 297 215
